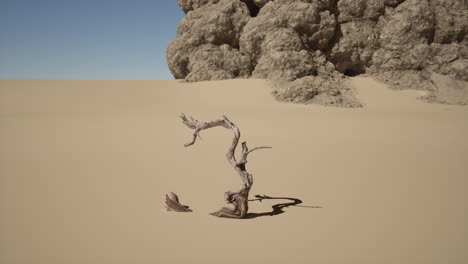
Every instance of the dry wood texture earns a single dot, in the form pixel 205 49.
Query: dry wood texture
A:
pixel 239 199
pixel 173 204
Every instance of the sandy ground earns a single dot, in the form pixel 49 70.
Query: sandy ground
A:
pixel 84 166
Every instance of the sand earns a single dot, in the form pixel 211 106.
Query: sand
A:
pixel 84 166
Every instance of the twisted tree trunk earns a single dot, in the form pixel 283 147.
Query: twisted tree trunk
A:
pixel 239 199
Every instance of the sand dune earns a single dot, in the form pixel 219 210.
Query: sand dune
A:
pixel 84 166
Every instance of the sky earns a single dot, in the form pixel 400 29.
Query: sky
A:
pixel 86 39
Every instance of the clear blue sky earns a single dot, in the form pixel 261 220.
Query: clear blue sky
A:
pixel 86 39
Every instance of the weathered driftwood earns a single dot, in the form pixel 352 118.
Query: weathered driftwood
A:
pixel 239 199
pixel 173 204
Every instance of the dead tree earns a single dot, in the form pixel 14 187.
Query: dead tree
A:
pixel 239 199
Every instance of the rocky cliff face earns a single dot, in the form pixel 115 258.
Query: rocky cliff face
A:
pixel 309 46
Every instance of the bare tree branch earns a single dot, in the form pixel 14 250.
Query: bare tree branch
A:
pixel 246 152
pixel 262 147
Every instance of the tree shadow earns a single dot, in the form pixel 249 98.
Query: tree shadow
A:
pixel 277 208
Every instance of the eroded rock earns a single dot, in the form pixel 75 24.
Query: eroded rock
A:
pixel 351 10
pixel 218 24
pixel 353 52
pixel 307 45
pixel 211 62
pixel 318 90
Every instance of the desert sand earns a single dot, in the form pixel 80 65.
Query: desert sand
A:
pixel 85 165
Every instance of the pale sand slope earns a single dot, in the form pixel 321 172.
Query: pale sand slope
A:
pixel 84 167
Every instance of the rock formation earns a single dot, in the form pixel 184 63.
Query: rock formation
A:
pixel 308 47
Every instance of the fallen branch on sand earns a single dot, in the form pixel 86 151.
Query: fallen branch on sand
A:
pixel 173 204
